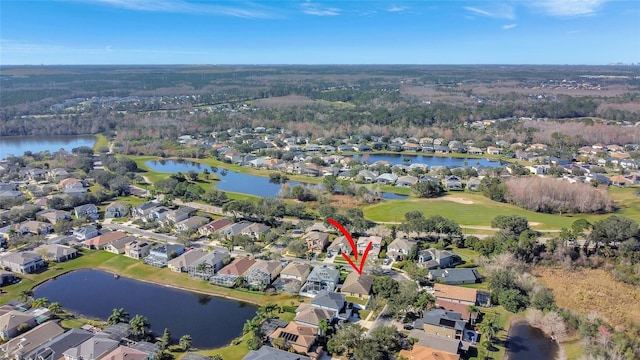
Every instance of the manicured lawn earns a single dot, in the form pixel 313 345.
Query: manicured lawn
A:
pixel 479 213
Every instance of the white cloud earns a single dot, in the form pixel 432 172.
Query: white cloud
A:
pixel 509 26
pixel 181 6
pixel 310 8
pixel 569 7
pixel 20 48
pixel 501 11
pixel 397 9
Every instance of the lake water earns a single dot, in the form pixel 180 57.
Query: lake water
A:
pixel 17 145
pixel 212 322
pixel 397 159
pixel 235 181
pixel 526 342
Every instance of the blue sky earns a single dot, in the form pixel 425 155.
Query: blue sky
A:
pixel 319 32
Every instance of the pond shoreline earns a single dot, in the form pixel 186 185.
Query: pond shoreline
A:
pixel 536 337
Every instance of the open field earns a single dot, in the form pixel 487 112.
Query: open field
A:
pixel 476 210
pixel 614 301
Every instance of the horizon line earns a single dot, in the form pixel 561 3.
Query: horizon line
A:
pixel 331 64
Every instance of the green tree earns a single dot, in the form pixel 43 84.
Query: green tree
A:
pixel 513 300
pixel 165 340
pixel 427 189
pixel 186 342
pixel 514 224
pixel 40 302
pixel 613 230
pixel 25 295
pixel 346 339
pixel 139 326
pixel 493 188
pixel 489 327
pixel 118 316
pixel 543 299
pixel 385 286
pixel 330 182
pixel 55 308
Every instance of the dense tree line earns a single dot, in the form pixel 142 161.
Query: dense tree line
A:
pixel 549 195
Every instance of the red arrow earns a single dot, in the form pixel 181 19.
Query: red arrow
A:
pixel 346 234
pixel 358 268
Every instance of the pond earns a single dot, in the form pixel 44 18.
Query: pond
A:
pixel 17 145
pixel 429 160
pixel 235 181
pixel 212 322
pixel 526 342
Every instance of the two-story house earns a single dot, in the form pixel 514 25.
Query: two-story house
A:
pixel 137 249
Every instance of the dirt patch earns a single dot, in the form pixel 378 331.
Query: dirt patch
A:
pixel 533 223
pixel 593 290
pixel 458 200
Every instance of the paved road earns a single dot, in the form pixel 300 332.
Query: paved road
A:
pixel 140 232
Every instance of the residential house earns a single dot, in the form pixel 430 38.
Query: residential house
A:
pixel 229 274
pixel 406 181
pixel 309 315
pixel 340 245
pixel 316 241
pixel 334 302
pixel 88 210
pixel 86 232
pixel 193 223
pixel 433 258
pixel 208 265
pixel 7 278
pixel 56 252
pixel 376 244
pixel 455 276
pixel 461 295
pixel 15 322
pixel 214 226
pixel 55 348
pixel 57 174
pixel 158 213
pixel 297 271
pixel 23 262
pixel 292 277
pixel 357 285
pixel 387 179
pixel 366 176
pixel 137 249
pixel 99 242
pixel 437 343
pixel 126 353
pixel 256 230
pixel 320 278
pixel 473 184
pixel 400 248
pixel 492 150
pixel 453 183
pixel 234 229
pixel 184 261
pixel 31 340
pixel 262 273
pixel 441 323
pixel 92 349
pixel 144 210
pixel 11 194
pixel 269 353
pixel 160 255
pixel 118 246
pixel 34 227
pixel 419 352
pixel 116 209
pixel 69 184
pixel 53 216
pixel 182 213
pixel 298 337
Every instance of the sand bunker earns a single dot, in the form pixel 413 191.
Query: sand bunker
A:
pixel 458 200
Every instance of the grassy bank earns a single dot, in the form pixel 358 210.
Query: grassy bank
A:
pixel 101 141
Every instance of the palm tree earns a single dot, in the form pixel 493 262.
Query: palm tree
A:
pixel 489 327
pixel 424 301
pixel 185 342
pixel 118 316
pixel 473 313
pixel 40 302
pixel 250 326
pixel 240 282
pixel 25 295
pixel 139 325
pixel 55 308
pixel 323 326
pixel 268 310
